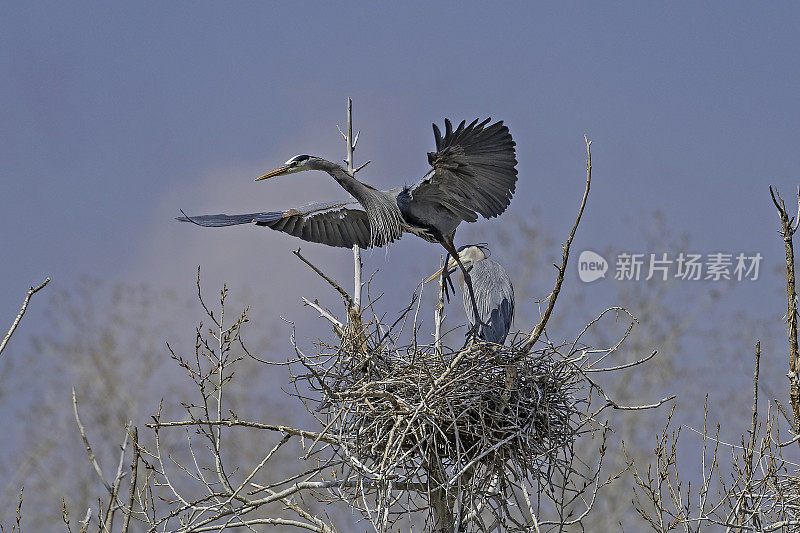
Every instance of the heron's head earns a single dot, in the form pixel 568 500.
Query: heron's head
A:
pixel 297 163
pixel 469 255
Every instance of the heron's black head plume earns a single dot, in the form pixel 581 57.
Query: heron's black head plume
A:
pixel 483 246
pixel 298 159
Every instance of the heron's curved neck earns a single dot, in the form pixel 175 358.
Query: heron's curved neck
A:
pixel 385 219
pixel 358 190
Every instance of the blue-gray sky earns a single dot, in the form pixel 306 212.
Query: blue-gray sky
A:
pixel 112 117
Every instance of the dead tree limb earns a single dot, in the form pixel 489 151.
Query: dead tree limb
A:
pixel 351 146
pixel 788 227
pixel 537 331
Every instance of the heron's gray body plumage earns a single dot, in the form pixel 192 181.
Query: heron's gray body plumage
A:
pixel 473 174
pixel 494 296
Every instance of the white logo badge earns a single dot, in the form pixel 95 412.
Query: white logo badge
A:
pixel 591 266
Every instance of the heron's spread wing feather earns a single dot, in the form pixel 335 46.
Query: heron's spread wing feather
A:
pixel 473 169
pixel 341 224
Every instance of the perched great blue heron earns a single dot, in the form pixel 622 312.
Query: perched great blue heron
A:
pixel 494 293
pixel 473 173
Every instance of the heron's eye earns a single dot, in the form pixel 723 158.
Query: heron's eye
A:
pixel 297 160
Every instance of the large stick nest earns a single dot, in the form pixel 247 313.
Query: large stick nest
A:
pixel 473 412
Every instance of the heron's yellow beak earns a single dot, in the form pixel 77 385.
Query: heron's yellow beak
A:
pixel 451 267
pixel 272 173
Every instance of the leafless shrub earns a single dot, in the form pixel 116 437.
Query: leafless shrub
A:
pixel 758 489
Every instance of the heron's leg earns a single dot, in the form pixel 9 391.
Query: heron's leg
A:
pixel 451 248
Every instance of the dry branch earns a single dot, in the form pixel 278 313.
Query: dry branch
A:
pixel 539 329
pixel 357 265
pixel 134 471
pixel 31 292
pixel 788 227
pixel 86 443
pixel 348 300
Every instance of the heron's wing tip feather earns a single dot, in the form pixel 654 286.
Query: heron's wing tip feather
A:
pixel 474 169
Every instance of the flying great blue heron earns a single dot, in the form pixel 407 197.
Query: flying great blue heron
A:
pixel 494 293
pixel 473 172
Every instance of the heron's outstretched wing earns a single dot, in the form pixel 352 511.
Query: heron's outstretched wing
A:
pixel 340 224
pixel 473 170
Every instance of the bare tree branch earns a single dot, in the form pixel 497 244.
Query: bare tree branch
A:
pixel 537 331
pixel 338 326
pixel 31 292
pixel 357 265
pixel 86 444
pixel 346 297
pixel 134 471
pixel 787 232
pixel 108 520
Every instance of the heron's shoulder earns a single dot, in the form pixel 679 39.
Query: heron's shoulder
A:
pixel 490 265
pixel 397 191
pixel 489 269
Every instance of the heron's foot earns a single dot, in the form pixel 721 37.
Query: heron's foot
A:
pixel 447 281
pixel 472 336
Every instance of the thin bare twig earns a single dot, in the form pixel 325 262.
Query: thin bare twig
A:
pixel 438 311
pixel 659 403
pixel 86 443
pixel 346 297
pixel 19 512
pixel 85 522
pixel 134 470
pixel 338 326
pixel 108 520
pixel 241 423
pixel 31 292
